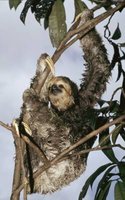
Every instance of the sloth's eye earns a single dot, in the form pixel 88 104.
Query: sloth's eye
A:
pixel 61 86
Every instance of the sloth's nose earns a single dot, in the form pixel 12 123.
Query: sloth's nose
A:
pixel 55 89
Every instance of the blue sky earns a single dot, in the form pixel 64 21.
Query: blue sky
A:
pixel 20 47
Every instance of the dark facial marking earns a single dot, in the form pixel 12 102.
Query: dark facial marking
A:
pixel 54 89
pixel 61 86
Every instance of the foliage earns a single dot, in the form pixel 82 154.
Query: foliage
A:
pixel 57 23
pixel 53 13
pixel 14 3
pixel 112 173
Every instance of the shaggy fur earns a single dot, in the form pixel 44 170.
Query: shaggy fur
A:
pixel 62 93
pixel 56 128
pixel 97 67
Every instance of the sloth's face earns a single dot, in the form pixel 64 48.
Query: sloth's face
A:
pixel 60 93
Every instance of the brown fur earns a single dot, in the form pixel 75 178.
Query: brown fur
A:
pixel 97 67
pixel 53 132
pixel 62 97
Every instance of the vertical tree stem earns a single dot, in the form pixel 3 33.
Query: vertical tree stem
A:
pixel 17 171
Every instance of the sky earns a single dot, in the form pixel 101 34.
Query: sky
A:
pixel 20 47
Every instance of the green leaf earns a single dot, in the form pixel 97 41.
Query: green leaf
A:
pixel 91 180
pixel 102 195
pixel 91 117
pixel 40 8
pixel 102 184
pixel 122 95
pixel 117 33
pixel 122 133
pixel 109 153
pixel 14 3
pixel 122 44
pixel 101 102
pixel 57 24
pixel 46 22
pixel 79 7
pixel 119 71
pixel 104 110
pixel 116 55
pixel 119 191
pixel 114 106
pixel 115 133
pixel 25 10
pixel 121 167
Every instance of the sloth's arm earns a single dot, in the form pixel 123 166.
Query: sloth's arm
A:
pixel 38 87
pixel 97 66
pixel 44 73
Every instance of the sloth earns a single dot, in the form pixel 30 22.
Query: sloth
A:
pixel 54 110
pixel 62 93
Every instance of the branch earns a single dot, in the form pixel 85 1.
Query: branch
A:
pixel 17 169
pixel 17 176
pixel 85 28
pixel 27 141
pixel 21 148
pixel 97 148
pixel 6 126
pixel 69 149
pixel 80 32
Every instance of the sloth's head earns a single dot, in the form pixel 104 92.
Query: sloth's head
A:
pixel 62 93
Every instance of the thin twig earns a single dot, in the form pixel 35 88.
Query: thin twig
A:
pixel 6 126
pixel 97 148
pixel 97 7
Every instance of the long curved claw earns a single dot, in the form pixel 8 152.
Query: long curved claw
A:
pixel 27 128
pixel 45 61
pixel 50 64
pixel 15 124
pixel 78 17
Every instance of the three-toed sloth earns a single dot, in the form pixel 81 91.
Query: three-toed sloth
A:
pixel 62 93
pixel 58 126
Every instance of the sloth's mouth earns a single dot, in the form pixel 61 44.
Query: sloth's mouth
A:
pixel 54 89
